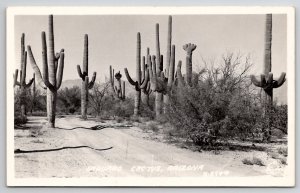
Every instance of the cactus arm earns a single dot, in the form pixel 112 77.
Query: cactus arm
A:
pixel 129 78
pixel 60 70
pixel 152 71
pixel 16 78
pixel 171 68
pixel 79 72
pixel 270 78
pixel 154 66
pixel 169 45
pixel 157 47
pixel 24 65
pixel 36 68
pixel 29 83
pixel 179 75
pixel 279 82
pixel 111 78
pixel 20 77
pixel 85 55
pixel 45 62
pixel 146 80
pixel 123 90
pixel 148 88
pixel 143 68
pixel 92 82
pixel 256 82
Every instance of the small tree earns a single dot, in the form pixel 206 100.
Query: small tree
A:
pixel 97 96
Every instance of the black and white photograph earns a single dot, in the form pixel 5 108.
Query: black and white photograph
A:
pixel 150 96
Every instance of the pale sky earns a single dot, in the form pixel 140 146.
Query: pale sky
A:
pixel 112 39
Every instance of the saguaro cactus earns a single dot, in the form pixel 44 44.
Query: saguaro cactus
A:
pixel 53 67
pixel 22 83
pixel 266 82
pixel 119 89
pixel 84 75
pixel 189 48
pixel 139 83
pixel 159 83
pixel 147 90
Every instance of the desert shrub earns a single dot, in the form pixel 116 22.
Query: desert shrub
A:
pixel 222 106
pixel 253 161
pixel 99 99
pixel 20 119
pixel 69 100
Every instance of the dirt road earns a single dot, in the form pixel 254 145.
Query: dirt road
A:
pixel 69 151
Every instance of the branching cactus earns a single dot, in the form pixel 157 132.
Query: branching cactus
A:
pixel 160 84
pixel 84 75
pixel 119 89
pixel 22 81
pixel 146 91
pixel 189 48
pixel 53 66
pixel 266 82
pixel 139 83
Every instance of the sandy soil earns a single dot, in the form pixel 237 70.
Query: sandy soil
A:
pixel 68 151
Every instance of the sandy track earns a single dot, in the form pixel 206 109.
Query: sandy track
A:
pixel 129 154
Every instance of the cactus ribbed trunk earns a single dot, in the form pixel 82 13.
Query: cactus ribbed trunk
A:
pixel 52 71
pixel 158 103
pixel 84 98
pixel 145 99
pixel 268 59
pixel 23 102
pixel 51 95
pixel 137 99
pixel 139 84
pixel 267 82
pixel 268 45
pixel 169 44
pixel 268 93
pixel 51 107
pixel 22 83
pixel 189 68
pixel 85 84
pixel 171 70
pixel 159 68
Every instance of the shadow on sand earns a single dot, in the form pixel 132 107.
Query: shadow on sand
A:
pixel 17 151
pixel 98 127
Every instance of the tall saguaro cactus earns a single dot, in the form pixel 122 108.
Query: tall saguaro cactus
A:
pixel 84 75
pixel 119 89
pixel 266 82
pixel 22 83
pixel 139 83
pixel 53 66
pixel 189 48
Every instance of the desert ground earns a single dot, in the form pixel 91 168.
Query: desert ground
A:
pixel 77 148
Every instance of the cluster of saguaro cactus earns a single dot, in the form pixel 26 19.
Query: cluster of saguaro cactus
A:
pixel 53 66
pixel 266 82
pixel 84 75
pixel 139 83
pixel 119 89
pixel 161 82
pixel 22 81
